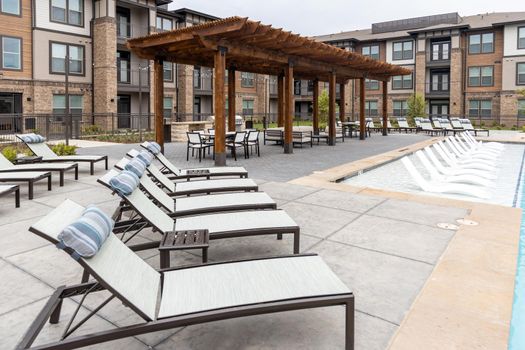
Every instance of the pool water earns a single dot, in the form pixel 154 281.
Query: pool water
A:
pixel 517 324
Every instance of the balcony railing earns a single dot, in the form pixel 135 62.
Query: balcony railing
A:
pixel 130 77
pixel 438 57
pixel 126 30
pixel 202 83
pixel 437 89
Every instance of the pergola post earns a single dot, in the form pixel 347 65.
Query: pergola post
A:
pixel 158 68
pixel 316 107
pixel 362 121
pixel 288 109
pixel 231 99
pixel 331 109
pixel 385 108
pixel 218 90
pixel 280 100
pixel 342 102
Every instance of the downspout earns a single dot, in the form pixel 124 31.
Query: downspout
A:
pixel 33 25
pixel 463 75
pixel 92 29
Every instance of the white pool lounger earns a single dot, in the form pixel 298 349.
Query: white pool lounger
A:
pixel 440 187
pixel 436 176
pixel 460 152
pixel 468 149
pixel 451 160
pixel 451 170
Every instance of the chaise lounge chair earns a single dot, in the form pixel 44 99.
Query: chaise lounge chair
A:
pixel 184 206
pixel 27 176
pixel 7 189
pixel 185 296
pixel 175 173
pixel 440 187
pixel 453 161
pixel 42 150
pixel 221 225
pixel 455 170
pixel 467 125
pixel 403 125
pixel 427 127
pixel 463 178
pixel 7 166
pixel 188 188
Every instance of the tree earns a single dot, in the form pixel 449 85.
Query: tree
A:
pixel 323 108
pixel 521 92
pixel 416 106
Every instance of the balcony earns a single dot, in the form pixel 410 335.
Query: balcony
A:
pixel 128 80
pixel 126 30
pixel 438 58
pixel 202 84
pixel 437 89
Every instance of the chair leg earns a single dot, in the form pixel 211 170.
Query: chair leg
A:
pixel 188 153
pixel 349 325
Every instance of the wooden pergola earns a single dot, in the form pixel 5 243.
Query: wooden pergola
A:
pixel 239 44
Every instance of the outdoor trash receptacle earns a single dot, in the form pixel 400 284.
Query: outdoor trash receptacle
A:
pixel 248 124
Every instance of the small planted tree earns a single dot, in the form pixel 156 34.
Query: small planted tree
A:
pixel 323 108
pixel 416 106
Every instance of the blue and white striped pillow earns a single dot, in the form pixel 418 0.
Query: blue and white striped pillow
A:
pixel 124 183
pixel 86 235
pixel 32 138
pixel 145 157
pixel 136 166
pixel 153 147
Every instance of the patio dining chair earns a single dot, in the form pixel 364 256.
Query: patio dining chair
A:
pixel 238 142
pixel 252 141
pixel 180 297
pixel 196 142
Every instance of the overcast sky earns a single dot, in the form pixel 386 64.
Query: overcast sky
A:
pixel 316 17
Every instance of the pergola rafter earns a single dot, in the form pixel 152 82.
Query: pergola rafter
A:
pixel 237 43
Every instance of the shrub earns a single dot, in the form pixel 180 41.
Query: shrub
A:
pixel 10 153
pixel 416 106
pixel 92 130
pixel 514 128
pixel 62 149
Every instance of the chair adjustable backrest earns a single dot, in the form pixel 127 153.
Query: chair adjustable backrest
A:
pixel 194 137
pixel 41 150
pixel 456 123
pixel 115 266
pixel 4 162
pixel 239 137
pixel 253 136
pixel 467 125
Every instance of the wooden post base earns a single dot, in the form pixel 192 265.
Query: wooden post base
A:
pixel 331 141
pixel 288 148
pixel 220 159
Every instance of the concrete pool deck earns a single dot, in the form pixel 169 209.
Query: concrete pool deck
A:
pixel 417 286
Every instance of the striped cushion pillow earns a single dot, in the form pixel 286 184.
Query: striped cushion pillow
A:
pixel 153 147
pixel 145 157
pixel 32 138
pixel 86 235
pixel 136 166
pixel 124 183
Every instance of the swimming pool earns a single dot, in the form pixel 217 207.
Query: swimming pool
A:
pixel 508 190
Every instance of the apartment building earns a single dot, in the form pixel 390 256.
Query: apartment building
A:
pixel 464 65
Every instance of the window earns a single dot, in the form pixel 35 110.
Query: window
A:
pixel 164 24
pixel 75 104
pixel 403 50
pixel 247 107
pixel 480 108
pixel 67 11
pixel 123 23
pixel 521 37
pixel 11 7
pixel 481 43
pixel 400 108
pixel 371 108
pixel 402 82
pixel 371 51
pixel 59 52
pixel 247 79
pixel 520 73
pixel 480 76
pixel 521 108
pixel 197 78
pixel 168 71
pixel 123 67
pixel 11 53
pixel 297 87
pixel 371 84
pixel 168 106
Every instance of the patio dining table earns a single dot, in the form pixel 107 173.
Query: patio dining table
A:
pixel 350 126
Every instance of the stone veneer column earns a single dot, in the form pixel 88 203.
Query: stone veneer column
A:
pixel 456 82
pixel 185 106
pixel 420 73
pixel 105 66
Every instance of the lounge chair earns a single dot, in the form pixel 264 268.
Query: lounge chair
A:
pixel 436 123
pixel 175 173
pixel 467 125
pixel 456 170
pixel 185 296
pixel 188 188
pixel 463 154
pixel 440 187
pixel 427 127
pixel 447 126
pixel 184 206
pixel 469 138
pixel 42 150
pixel 463 178
pixel 475 149
pixel 27 176
pixel 7 189
pixel 221 225
pixel 403 125
pixel 456 124
pixel 453 161
pixel 7 166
